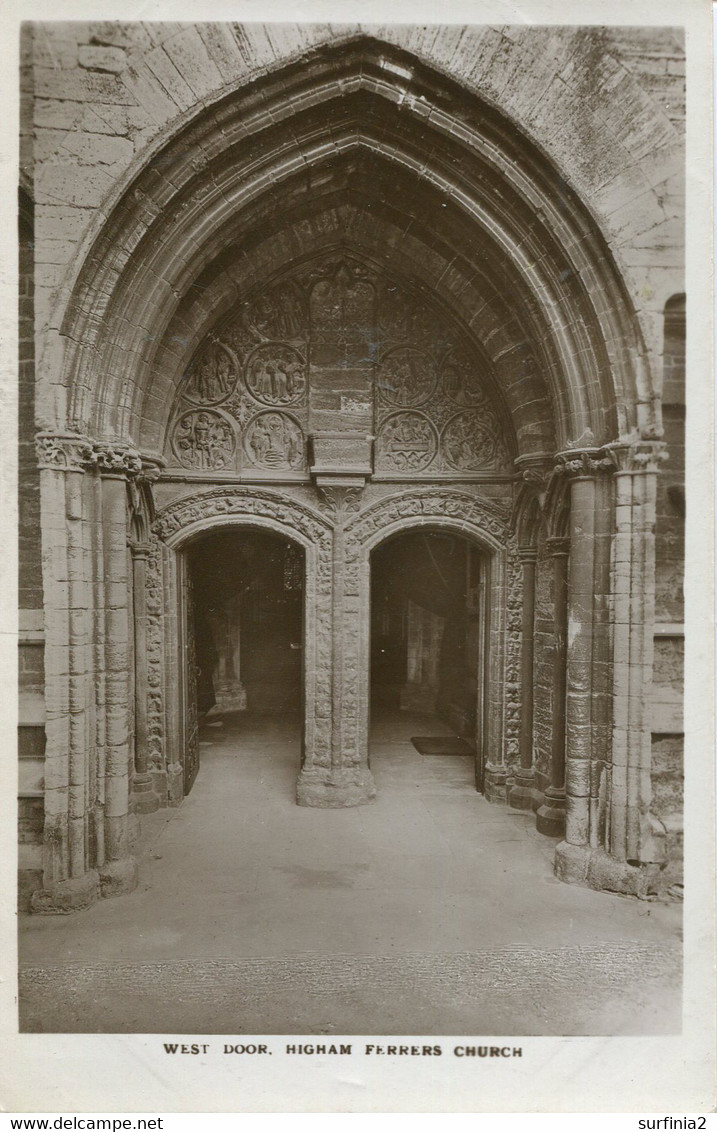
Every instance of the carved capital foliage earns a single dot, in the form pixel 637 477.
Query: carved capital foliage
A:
pixel 68 451
pixel 583 462
pixel 635 453
pixel 339 500
pixel 65 452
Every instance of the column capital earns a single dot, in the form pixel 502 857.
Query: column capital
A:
pixel 75 452
pixel 62 451
pixel 528 554
pixel 636 454
pixel 583 463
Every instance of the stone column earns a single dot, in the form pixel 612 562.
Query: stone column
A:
pixel 520 795
pixel 633 836
pixel 346 780
pixel 118 873
pixel 610 837
pixel 425 635
pixel 145 799
pixel 69 880
pixel 550 818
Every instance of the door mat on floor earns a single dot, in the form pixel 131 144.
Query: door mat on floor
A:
pixel 441 745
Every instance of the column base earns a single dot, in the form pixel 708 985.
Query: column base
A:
pixel 145 799
pixel 67 895
pixel 326 789
pixel 594 868
pixel 494 782
pixel 550 817
pixel 119 877
pixel 521 795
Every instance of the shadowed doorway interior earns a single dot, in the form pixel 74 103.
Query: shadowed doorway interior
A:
pixel 245 631
pixel 427 643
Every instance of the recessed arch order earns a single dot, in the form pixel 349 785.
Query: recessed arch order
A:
pixel 446 182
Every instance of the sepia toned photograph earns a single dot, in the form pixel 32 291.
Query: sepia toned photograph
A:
pixel 351 532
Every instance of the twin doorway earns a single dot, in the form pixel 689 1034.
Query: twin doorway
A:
pixel 244 620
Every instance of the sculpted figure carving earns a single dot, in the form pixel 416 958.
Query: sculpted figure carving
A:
pixel 274 440
pixel 461 379
pixel 277 313
pixel 467 443
pixel 275 375
pixel 212 375
pixel 405 376
pixel 406 442
pixel 204 440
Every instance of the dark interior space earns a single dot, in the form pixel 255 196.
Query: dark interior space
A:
pixel 425 627
pixel 248 592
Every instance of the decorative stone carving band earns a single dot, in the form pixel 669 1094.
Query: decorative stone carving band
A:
pixel 239 501
pixel 632 453
pixel 72 452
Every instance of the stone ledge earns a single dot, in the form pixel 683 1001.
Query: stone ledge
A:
pixel 594 868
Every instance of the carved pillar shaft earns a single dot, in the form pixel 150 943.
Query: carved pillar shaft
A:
pixel 68 879
pixel 520 796
pixel 550 818
pixel 146 800
pixel 633 835
pixel 579 660
pixel 610 833
pixel 119 870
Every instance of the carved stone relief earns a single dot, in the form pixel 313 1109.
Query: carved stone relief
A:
pixel 342 344
pixel 274 440
pixel 204 440
pixel 275 375
pixel 405 376
pixel 212 375
pixel 469 443
pixel 406 442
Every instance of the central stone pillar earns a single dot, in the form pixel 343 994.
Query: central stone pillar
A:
pixel 225 627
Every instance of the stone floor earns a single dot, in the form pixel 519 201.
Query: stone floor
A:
pixel 430 912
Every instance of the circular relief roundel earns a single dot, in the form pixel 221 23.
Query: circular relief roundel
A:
pixel 275 374
pixel 406 442
pixel 405 376
pixel 274 440
pixel 468 444
pixel 461 380
pixel 212 374
pixel 203 440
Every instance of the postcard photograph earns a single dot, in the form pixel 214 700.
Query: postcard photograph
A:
pixel 351 533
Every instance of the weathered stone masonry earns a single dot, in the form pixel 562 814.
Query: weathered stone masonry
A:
pixel 340 287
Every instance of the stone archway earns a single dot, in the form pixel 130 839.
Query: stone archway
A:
pixel 558 346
